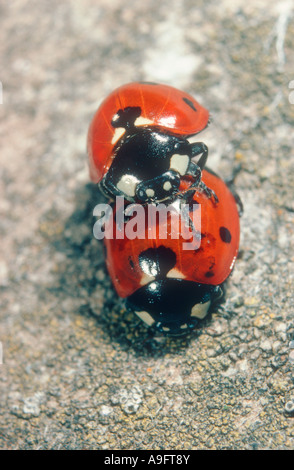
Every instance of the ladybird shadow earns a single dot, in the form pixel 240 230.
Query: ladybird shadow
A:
pixel 82 278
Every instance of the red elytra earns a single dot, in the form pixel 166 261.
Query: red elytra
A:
pixel 210 264
pixel 162 107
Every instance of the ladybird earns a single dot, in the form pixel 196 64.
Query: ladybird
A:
pixel 138 143
pixel 171 288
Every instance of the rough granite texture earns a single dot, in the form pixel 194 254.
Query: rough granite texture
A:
pixel 78 371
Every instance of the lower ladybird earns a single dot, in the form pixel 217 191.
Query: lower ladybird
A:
pixel 169 278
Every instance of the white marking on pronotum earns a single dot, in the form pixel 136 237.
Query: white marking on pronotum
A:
pixel 146 317
pixel 179 163
pixel 200 310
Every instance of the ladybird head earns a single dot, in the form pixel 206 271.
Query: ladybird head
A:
pixel 148 163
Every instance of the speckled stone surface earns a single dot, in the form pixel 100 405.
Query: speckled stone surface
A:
pixel 79 372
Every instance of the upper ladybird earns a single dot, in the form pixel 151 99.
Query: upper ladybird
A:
pixel 138 142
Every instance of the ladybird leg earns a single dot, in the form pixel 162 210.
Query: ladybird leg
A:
pixel 197 149
pixel 187 196
pixel 186 216
pixel 182 206
pixel 185 207
pixel 194 171
pixel 208 192
pixel 235 171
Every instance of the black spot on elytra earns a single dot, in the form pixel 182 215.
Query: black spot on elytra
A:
pixel 157 262
pixel 126 117
pixel 131 262
pixel 209 274
pixel 189 103
pixel 225 234
pixel 211 260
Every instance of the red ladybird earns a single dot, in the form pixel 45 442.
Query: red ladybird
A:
pixel 138 142
pixel 166 286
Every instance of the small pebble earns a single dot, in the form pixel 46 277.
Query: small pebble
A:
pixel 291 356
pixel 289 407
pixel 266 345
pixel 105 410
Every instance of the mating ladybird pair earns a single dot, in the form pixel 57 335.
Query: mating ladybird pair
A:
pixel 138 148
